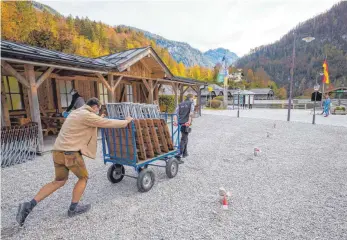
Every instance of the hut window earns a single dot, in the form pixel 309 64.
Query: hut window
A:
pixel 103 96
pixel 129 93
pixel 14 94
pixel 65 88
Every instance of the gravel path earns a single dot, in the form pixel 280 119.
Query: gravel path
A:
pixel 296 189
pixel 297 115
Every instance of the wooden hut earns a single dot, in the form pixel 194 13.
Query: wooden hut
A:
pixel 36 82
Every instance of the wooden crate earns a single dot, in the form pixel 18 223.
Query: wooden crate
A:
pixel 116 139
pixel 153 136
pixel 167 134
pixel 161 136
pixel 146 138
pixel 139 141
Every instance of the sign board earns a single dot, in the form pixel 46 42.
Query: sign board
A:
pixel 220 78
pixel 210 89
pixel 226 81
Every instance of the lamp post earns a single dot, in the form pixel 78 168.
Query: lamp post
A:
pixel 307 40
pixel 238 103
pixel 291 80
pixel 316 88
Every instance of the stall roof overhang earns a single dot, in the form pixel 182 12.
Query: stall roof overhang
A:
pixel 125 59
pixel 77 65
pixel 189 81
pixel 23 52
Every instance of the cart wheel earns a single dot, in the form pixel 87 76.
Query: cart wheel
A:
pixel 171 168
pixel 115 173
pixel 141 168
pixel 145 180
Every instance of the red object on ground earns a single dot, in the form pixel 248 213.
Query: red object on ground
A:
pixel 225 202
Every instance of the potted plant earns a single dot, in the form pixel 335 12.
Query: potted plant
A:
pixel 339 110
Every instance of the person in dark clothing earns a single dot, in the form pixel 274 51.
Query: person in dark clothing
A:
pixel 76 102
pixel 184 111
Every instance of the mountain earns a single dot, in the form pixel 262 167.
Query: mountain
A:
pixel 215 55
pixel 189 56
pixel 38 25
pixel 43 7
pixel 330 32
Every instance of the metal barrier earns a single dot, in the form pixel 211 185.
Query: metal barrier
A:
pixel 134 110
pixel 18 144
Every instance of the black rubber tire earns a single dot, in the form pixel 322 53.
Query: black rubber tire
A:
pixel 145 180
pixel 141 168
pixel 115 173
pixel 172 168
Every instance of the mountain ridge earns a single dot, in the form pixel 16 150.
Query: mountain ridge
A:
pixel 188 55
pixel 330 32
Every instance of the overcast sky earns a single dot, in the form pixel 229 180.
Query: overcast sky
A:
pixel 237 25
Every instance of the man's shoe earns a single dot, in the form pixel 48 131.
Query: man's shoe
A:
pixel 79 210
pixel 23 211
pixel 178 156
pixel 180 161
pixel 185 155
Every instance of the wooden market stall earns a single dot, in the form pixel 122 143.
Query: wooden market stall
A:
pixel 36 82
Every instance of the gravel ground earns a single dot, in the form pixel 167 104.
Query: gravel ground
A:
pixel 297 115
pixel 296 189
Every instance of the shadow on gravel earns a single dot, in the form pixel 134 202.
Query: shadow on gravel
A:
pixel 8 232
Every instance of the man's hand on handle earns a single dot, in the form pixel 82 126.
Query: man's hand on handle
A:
pixel 129 119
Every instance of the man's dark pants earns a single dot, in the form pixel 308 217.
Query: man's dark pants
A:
pixel 184 141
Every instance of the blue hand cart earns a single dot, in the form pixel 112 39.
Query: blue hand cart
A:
pixel 119 149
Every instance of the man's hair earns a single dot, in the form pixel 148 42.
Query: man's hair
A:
pixel 189 96
pixel 93 101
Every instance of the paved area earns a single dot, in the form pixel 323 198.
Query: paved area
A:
pixel 297 115
pixel 296 189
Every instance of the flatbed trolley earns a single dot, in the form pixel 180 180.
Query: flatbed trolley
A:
pixel 120 149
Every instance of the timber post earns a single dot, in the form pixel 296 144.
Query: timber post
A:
pixel 34 103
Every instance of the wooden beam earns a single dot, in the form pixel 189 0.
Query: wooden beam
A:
pixel 127 65
pixel 44 76
pixel 196 89
pixel 185 89
pixel 8 68
pixel 77 78
pixel 155 84
pixel 133 86
pixel 155 94
pixel 146 66
pixel 181 93
pixel 117 83
pixel 122 94
pixel 174 88
pixel 144 93
pixel 5 114
pixel 149 78
pixel 111 94
pixel 199 100
pixel 102 79
pixel 150 94
pixel 35 106
pixel 146 84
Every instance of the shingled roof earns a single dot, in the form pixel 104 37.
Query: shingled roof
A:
pixel 126 58
pixel 31 53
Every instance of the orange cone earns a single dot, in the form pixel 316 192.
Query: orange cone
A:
pixel 225 203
